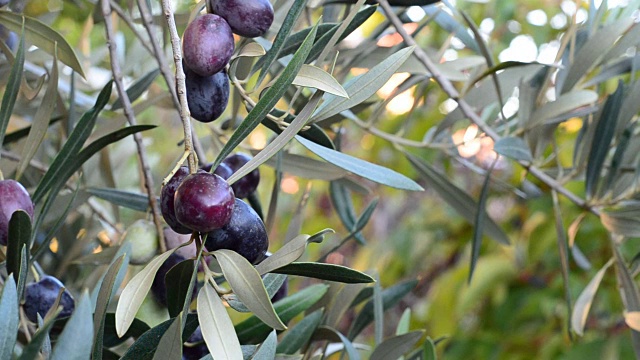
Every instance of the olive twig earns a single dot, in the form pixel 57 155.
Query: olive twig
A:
pixel 185 115
pixel 131 118
pixel 158 54
pixel 469 112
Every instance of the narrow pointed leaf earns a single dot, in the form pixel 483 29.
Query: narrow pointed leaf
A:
pixel 216 326
pixel 396 346
pixel 287 254
pixel 329 272
pixel 72 146
pixel 362 168
pixel 77 337
pixel 40 338
pixel 178 279
pixel 19 237
pixel 146 344
pixel 170 346
pixel 272 282
pixel 362 87
pixel 298 336
pixel 269 99
pixel 287 308
pixel 128 199
pixel 267 350
pixel 314 77
pixel 390 297
pixel 135 292
pixel 457 198
pixel 603 135
pixel 325 332
pixel 10 318
pixel 584 301
pixel 514 148
pixel 137 89
pixel 13 88
pixel 247 285
pixel 42 36
pixel 40 122
pixel 287 25
pixel 104 297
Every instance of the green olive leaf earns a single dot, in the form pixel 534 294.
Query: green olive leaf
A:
pixel 135 292
pixel 216 326
pixel 247 285
pixel 42 36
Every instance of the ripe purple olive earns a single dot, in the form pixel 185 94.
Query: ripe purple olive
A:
pixel 207 45
pixel 248 183
pixel 203 202
pixel 248 18
pixel 195 348
pixel 167 201
pixel 172 240
pixel 40 297
pixel 223 170
pixel 207 96
pixel 244 233
pixel 13 196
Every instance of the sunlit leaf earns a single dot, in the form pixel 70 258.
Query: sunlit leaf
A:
pixel 247 285
pixel 135 292
pixel 42 36
pixel 363 86
pixel 216 326
pixel 269 99
pixel 362 168
pixel 314 77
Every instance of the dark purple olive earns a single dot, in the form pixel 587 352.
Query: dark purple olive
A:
pixel 167 201
pixel 248 183
pixel 207 45
pixel 248 18
pixel 207 96
pixel 245 234
pixel 195 348
pixel 13 196
pixel 203 202
pixel 159 287
pixel 39 297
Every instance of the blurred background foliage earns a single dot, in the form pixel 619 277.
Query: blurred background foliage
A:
pixel 514 307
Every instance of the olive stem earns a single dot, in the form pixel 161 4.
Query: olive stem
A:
pixel 165 71
pixel 185 115
pixel 131 118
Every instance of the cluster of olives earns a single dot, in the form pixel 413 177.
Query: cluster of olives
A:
pixel 207 48
pixel 204 202
pixel 39 296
